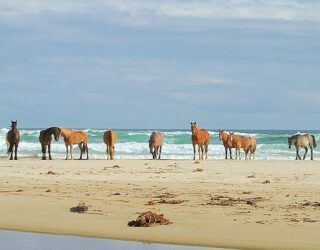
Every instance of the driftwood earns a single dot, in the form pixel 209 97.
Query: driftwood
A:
pixel 164 201
pixel 304 204
pixel 81 208
pixel 219 200
pixel 148 219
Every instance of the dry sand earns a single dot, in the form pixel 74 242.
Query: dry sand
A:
pixel 232 204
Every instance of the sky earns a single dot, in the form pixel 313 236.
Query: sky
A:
pixel 239 64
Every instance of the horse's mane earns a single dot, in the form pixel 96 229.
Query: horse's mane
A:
pixel 66 131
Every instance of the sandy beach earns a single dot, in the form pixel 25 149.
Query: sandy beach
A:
pixel 230 204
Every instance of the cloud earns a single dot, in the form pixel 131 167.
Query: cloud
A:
pixel 142 12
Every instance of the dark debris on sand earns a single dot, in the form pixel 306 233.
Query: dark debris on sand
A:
pixel 148 219
pixel 81 208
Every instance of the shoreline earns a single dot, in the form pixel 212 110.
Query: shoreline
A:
pixel 116 195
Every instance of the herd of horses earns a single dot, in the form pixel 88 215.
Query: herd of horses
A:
pixel 200 138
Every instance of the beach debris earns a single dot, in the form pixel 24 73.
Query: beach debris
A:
pixel 260 222
pixel 48 191
pixel 116 166
pixel 116 194
pixel 147 219
pixel 266 182
pixel 19 190
pixel 196 162
pixel 246 192
pixel 164 201
pixel 219 200
pixel 198 170
pixel 51 172
pixel 252 176
pixel 166 196
pixel 81 208
pixel 305 204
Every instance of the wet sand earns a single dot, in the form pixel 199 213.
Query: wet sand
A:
pixel 230 204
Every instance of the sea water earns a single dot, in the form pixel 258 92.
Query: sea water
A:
pixel 11 240
pixel 133 144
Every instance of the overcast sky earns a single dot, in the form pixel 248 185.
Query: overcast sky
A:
pixel 160 64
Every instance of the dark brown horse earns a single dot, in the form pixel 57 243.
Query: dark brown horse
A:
pixel 13 138
pixel 45 138
pixel 201 138
pixel 155 144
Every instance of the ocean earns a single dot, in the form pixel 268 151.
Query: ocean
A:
pixel 133 144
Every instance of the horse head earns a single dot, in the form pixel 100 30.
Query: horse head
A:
pixel 14 124
pixel 57 132
pixel 289 142
pixel 220 134
pixel 193 128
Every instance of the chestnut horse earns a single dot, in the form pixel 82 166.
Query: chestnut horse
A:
pixel 247 143
pixel 201 138
pixel 109 139
pixel 45 138
pixel 72 137
pixel 13 139
pixel 155 144
pixel 225 138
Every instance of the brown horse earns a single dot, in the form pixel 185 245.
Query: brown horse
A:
pixel 201 138
pixel 72 137
pixel 109 139
pixel 155 144
pixel 13 139
pixel 225 138
pixel 247 143
pixel 45 138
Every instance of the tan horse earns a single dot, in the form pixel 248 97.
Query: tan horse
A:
pixel 247 143
pixel 225 138
pixel 110 139
pixel 72 137
pixel 201 138
pixel 156 143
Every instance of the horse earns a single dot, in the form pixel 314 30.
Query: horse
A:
pixel 45 138
pixel 224 137
pixel 72 137
pixel 13 139
pixel 303 141
pixel 155 144
pixel 109 139
pixel 201 138
pixel 247 143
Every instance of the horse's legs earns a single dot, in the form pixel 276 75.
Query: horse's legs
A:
pixel 82 148
pixel 43 150
pixel 298 156
pixel 10 150
pixel 311 148
pixel 49 151
pixel 160 149
pixel 15 151
pixel 199 150
pixel 87 150
pixel 246 151
pixel 230 152
pixel 226 152
pixel 194 151
pixel 67 153
pixel 108 157
pixel 306 151
pixel 71 151
pixel 202 149
pixel 207 145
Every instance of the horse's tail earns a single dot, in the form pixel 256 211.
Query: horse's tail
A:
pixel 314 141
